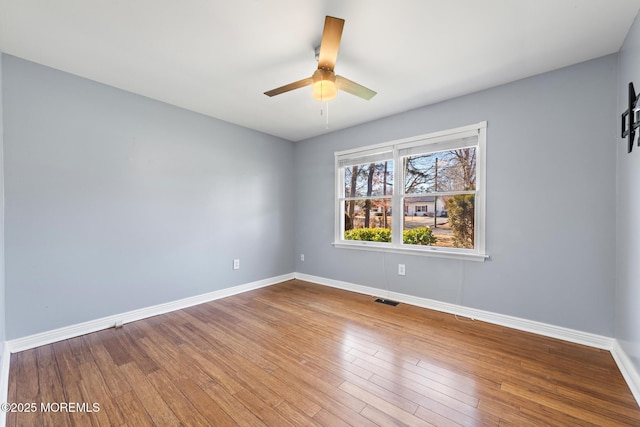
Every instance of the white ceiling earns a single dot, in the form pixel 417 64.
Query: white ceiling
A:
pixel 218 57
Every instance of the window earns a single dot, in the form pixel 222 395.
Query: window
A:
pixel 422 208
pixel 435 181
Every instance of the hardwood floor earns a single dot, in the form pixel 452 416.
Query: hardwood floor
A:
pixel 302 354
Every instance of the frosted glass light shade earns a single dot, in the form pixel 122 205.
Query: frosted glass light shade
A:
pixel 324 85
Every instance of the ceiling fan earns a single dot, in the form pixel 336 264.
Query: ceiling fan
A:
pixel 324 82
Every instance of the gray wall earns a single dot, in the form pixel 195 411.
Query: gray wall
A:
pixel 628 210
pixel 550 202
pixel 116 202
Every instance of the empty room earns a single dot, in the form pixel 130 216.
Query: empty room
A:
pixel 330 213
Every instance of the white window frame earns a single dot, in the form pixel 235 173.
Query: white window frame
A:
pixel 432 142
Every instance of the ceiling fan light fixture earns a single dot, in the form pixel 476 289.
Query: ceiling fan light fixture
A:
pixel 324 85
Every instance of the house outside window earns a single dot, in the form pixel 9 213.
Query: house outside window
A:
pixel 422 209
pixel 437 183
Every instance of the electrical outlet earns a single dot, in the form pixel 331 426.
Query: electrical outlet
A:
pixel 401 269
pixel 301 257
pixel 236 264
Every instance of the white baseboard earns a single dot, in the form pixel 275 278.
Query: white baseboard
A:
pixel 48 337
pixel 622 360
pixel 627 369
pixel 566 334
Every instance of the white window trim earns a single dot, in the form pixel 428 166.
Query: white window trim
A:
pixel 437 139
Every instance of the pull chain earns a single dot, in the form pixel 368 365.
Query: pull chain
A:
pixel 327 116
pixel 325 112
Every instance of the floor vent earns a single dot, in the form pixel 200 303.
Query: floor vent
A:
pixel 387 301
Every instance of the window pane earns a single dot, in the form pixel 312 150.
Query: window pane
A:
pixel 373 179
pixel 453 170
pixel 368 219
pixel 444 221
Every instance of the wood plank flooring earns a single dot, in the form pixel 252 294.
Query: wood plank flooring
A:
pixel 299 354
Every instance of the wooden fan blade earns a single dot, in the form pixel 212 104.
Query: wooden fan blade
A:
pixel 330 43
pixel 354 88
pixel 290 87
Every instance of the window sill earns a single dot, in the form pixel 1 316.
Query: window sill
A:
pixel 431 252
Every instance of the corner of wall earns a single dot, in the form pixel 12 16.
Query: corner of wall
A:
pixel 4 355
